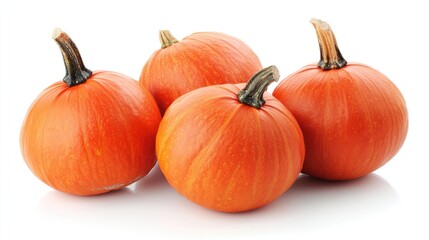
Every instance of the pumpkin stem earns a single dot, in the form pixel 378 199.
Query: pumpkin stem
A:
pixel 166 38
pixel 253 93
pixel 76 72
pixel 330 55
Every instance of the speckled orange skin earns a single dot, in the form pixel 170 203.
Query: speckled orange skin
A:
pixel 354 119
pixel 91 138
pixel 228 156
pixel 199 60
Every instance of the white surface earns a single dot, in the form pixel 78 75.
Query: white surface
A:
pixel 391 36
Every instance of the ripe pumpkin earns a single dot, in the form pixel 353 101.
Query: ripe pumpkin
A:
pixel 93 133
pixel 354 119
pixel 229 149
pixel 201 59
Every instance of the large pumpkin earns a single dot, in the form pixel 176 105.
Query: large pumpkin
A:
pixel 354 119
pixel 201 59
pixel 230 147
pixel 93 133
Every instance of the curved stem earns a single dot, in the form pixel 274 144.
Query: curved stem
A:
pixel 330 55
pixel 166 38
pixel 76 72
pixel 252 94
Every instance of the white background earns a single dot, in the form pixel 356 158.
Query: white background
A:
pixel 391 36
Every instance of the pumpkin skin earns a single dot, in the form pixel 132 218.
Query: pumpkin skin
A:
pixel 201 59
pixel 225 155
pixel 354 119
pixel 93 137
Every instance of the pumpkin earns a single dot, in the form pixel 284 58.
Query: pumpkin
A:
pixel 201 59
pixel 93 133
pixel 230 147
pixel 354 119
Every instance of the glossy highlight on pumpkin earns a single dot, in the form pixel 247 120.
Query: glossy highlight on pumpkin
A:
pixel 201 59
pixel 227 155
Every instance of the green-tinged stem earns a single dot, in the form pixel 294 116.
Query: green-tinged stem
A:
pixel 330 55
pixel 252 94
pixel 76 72
pixel 166 38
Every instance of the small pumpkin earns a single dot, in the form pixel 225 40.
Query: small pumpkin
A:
pixel 201 59
pixel 230 147
pixel 354 119
pixel 92 133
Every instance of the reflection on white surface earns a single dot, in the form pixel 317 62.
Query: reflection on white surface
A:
pixel 313 202
pixel 152 207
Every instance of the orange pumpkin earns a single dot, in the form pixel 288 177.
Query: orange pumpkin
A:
pixel 229 149
pixel 199 60
pixel 354 119
pixel 93 133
